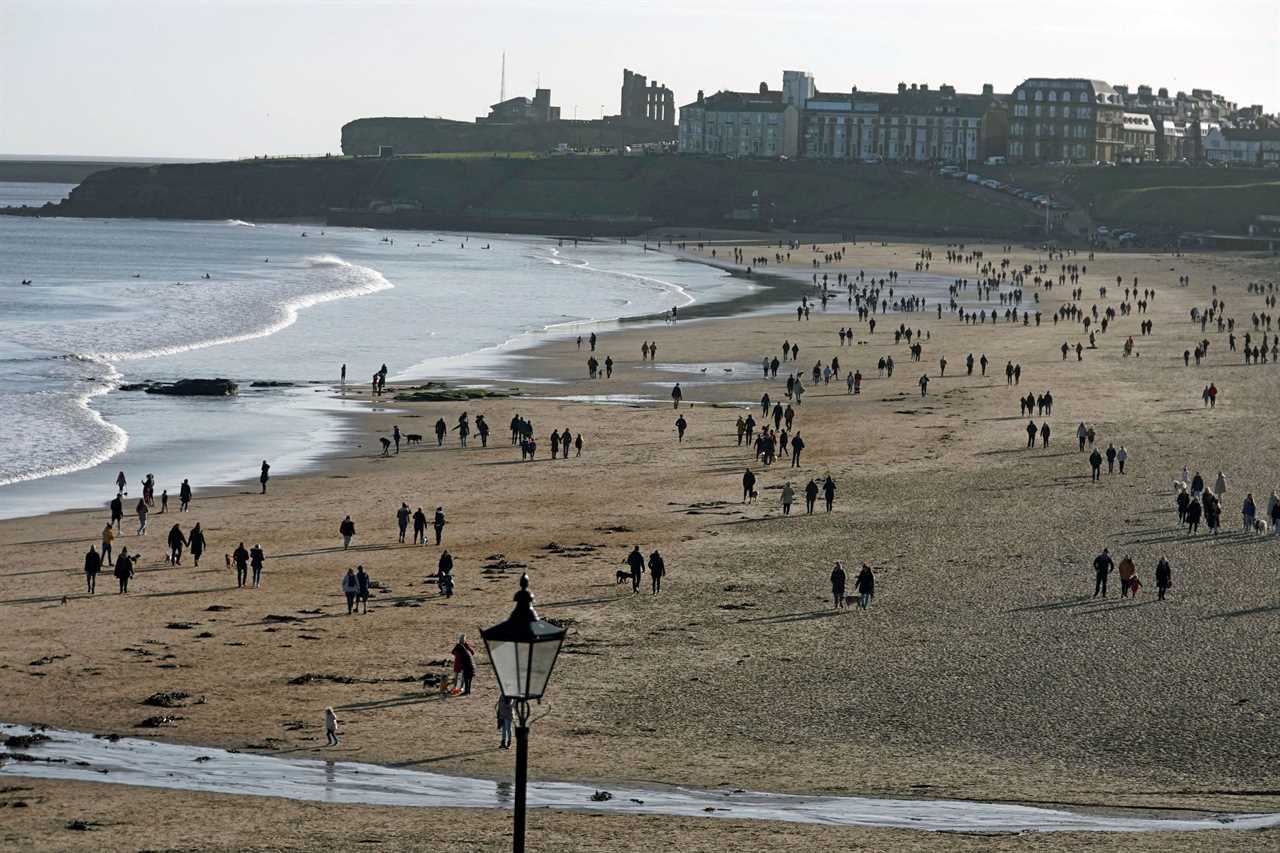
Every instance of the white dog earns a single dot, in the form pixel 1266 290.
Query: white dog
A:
pixel 1259 526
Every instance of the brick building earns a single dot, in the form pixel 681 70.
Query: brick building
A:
pixel 1065 119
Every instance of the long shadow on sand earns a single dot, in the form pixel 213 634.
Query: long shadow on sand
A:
pixel 790 617
pixel 1251 611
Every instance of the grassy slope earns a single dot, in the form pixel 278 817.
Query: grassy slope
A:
pixel 1161 198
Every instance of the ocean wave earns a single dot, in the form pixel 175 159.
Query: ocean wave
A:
pixel 240 222
pixel 360 281
pixel 112 439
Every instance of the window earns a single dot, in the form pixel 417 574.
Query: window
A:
pixel 1053 96
pixel 1039 95
pixel 1022 94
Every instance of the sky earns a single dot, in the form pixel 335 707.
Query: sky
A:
pixel 233 78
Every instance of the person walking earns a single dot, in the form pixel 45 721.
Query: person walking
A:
pixel 810 496
pixel 797 445
pixel 176 543
pixel 1248 512
pixel 1044 434
pixel 788 497
pixel 1194 511
pixel 676 396
pixel 1111 458
pixel 362 589
pixel 504 712
pixel 241 559
pixel 143 511
pixel 438 523
pixel 1164 578
pixel 197 543
pixel 865 584
pixel 1103 565
pixel 184 496
pixel 256 558
pixel 681 426
pixel 331 727
pixel 657 570
pixel 264 476
pixel 92 565
pixel 419 527
pixel 346 530
pixel 838 579
pixel 1032 429
pixel 350 588
pixel 1095 462
pixel 1082 434
pixel 748 487
pixel 829 491
pixel 124 570
pixel 1220 485
pixel 1121 456
pixel 635 561
pixel 108 537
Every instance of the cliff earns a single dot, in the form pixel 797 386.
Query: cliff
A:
pixel 578 195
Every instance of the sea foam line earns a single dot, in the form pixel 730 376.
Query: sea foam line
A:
pixel 373 282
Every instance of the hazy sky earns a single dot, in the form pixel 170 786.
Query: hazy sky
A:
pixel 231 78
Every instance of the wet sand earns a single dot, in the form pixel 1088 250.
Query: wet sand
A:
pixel 982 670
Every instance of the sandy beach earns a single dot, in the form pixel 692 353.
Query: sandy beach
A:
pixel 983 669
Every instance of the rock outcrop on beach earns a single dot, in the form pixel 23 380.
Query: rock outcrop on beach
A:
pixel 187 388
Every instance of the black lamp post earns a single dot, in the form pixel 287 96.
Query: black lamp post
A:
pixel 523 651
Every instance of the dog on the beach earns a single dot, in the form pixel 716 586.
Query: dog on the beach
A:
pixel 227 557
pixel 1259 526
pixel 413 438
pixel 621 577
pixel 386 446
pixel 1179 486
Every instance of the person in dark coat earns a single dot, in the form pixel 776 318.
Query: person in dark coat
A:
pixel 124 569
pixel 438 523
pixel 838 578
pixel 1164 578
pixel 92 565
pixel 1183 501
pixel 184 497
pixel 362 589
pixel 1193 516
pixel 635 560
pixel 748 485
pixel 1032 429
pixel 797 444
pixel 264 476
pixel 241 559
pixel 117 512
pixel 347 529
pixel 402 520
pixel 176 542
pixel 810 496
pixel 829 491
pixel 657 568
pixel 419 527
pixel 444 569
pixel 197 543
pixel 1103 565
pixel 866 586
pixel 1044 434
pixel 1095 463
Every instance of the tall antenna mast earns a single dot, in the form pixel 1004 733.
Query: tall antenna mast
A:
pixel 502 86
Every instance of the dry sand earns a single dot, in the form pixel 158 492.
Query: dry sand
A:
pixel 982 670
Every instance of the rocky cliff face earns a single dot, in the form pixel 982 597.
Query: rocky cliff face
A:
pixel 567 195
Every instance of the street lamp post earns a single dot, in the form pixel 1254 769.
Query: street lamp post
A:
pixel 523 651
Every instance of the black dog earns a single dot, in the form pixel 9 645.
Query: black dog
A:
pixel 622 577
pixel 413 438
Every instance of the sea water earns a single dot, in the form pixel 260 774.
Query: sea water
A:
pixel 114 302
